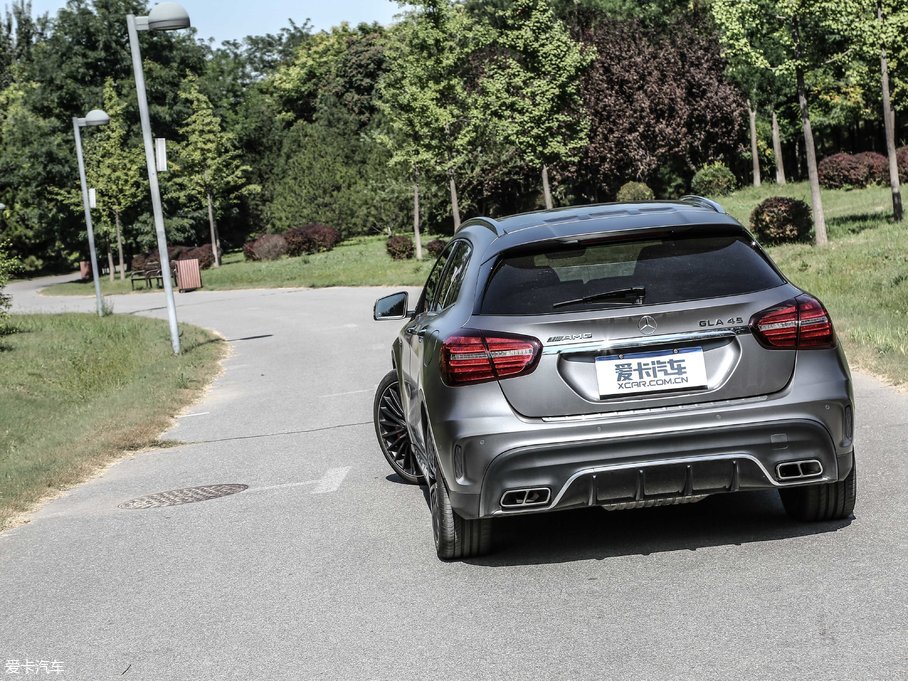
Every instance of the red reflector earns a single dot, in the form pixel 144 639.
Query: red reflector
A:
pixel 475 356
pixel 795 324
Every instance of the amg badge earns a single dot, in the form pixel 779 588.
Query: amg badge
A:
pixel 569 337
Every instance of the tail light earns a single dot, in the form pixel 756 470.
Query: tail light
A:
pixel 798 324
pixel 473 356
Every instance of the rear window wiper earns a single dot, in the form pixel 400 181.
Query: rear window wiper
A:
pixel 638 293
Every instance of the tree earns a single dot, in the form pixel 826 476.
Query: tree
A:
pixel 209 159
pixel 660 106
pixel 431 120
pixel 115 166
pixel 788 38
pixel 531 87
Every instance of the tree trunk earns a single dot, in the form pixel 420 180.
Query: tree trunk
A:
pixel 889 123
pixel 455 207
pixel 416 238
pixel 546 191
pixel 110 264
pixel 754 152
pixel 777 150
pixel 215 240
pixel 120 246
pixel 819 219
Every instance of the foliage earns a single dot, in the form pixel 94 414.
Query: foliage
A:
pixel 635 191
pixel 713 179
pixel 842 171
pixel 876 166
pixel 780 219
pixel 530 88
pixel 266 247
pixel 400 247
pixel 204 254
pixel 901 156
pixel 314 238
pixel 8 267
pixel 435 247
pixel 660 111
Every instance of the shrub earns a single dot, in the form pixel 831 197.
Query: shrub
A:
pixel 314 238
pixel 876 166
pixel 713 179
pixel 266 247
pixel 635 191
pixel 204 254
pixel 9 265
pixel 435 247
pixel 901 158
pixel 400 247
pixel 779 219
pixel 842 170
pixel 138 263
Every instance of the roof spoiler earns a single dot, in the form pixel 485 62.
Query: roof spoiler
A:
pixel 703 202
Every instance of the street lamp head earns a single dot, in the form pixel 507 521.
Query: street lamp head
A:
pixel 96 117
pixel 167 16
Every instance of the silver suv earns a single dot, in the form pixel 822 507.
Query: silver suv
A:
pixel 618 355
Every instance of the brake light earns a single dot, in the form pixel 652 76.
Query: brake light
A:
pixel 798 324
pixel 473 356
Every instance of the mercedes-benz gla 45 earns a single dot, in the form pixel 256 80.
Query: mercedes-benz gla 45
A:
pixel 617 355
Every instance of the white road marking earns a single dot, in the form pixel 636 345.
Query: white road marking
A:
pixel 199 413
pixel 349 392
pixel 329 482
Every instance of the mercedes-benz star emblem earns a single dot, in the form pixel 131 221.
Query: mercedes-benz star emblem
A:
pixel 647 325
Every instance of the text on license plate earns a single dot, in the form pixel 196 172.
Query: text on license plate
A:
pixel 643 372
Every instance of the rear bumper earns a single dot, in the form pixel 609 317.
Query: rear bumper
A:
pixel 659 468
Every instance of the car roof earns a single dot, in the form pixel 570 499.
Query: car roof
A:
pixel 596 219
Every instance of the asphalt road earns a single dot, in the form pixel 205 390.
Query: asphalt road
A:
pixel 324 567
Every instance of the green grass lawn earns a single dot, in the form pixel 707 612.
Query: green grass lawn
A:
pixel 76 391
pixel 362 261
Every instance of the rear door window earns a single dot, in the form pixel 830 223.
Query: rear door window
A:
pixel 562 278
pixel 454 276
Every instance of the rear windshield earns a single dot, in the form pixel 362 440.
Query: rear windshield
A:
pixel 625 273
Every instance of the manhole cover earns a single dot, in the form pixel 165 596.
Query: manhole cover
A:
pixel 187 495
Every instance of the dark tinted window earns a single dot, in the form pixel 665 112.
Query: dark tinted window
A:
pixel 454 276
pixel 670 269
pixel 430 290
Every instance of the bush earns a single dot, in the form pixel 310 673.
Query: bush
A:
pixel 314 238
pixel 266 247
pixel 779 219
pixel 901 158
pixel 435 247
pixel 841 171
pixel 876 166
pixel 8 267
pixel 400 247
pixel 713 179
pixel 635 191
pixel 204 254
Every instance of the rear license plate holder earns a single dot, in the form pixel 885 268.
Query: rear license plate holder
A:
pixel 676 369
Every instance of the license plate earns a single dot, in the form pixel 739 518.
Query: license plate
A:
pixel 647 372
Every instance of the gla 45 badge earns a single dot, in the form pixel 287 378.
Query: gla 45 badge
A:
pixel 731 321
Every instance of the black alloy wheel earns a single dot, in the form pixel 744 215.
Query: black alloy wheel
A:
pixel 391 429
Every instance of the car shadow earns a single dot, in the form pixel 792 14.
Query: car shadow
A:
pixel 592 533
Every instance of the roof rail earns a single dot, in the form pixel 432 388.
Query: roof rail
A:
pixel 703 202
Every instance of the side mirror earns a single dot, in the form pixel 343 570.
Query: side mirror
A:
pixel 391 307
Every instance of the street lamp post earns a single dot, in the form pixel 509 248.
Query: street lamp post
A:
pixel 166 16
pixel 92 118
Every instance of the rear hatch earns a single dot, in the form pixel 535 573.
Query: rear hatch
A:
pixel 638 322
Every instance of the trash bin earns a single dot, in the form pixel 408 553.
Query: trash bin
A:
pixel 189 275
pixel 85 270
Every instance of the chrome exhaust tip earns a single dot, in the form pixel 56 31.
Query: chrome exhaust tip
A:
pixel 526 498
pixel 799 470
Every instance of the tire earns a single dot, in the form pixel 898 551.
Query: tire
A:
pixel 819 503
pixel 391 429
pixel 456 538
